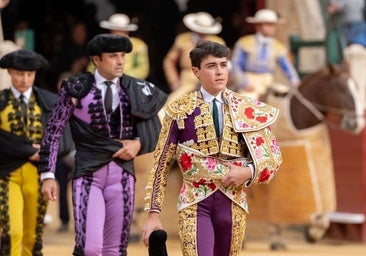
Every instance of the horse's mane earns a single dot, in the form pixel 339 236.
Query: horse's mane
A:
pixel 328 70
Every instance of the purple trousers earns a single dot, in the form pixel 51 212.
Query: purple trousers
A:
pixel 103 207
pixel 213 227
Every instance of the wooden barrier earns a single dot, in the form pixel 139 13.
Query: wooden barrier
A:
pixel 349 155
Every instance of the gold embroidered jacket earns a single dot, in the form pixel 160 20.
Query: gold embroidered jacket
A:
pixel 188 122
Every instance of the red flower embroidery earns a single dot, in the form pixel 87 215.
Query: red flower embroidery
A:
pixel 199 183
pixel 264 175
pixel 259 141
pixel 185 161
pixel 237 163
pixel 212 186
pixel 249 112
pixel 261 119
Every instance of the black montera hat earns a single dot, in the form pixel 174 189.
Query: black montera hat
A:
pixel 157 243
pixel 24 60
pixel 108 43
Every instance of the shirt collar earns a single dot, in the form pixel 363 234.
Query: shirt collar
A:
pixel 26 94
pixel 100 80
pixel 208 97
pixel 262 39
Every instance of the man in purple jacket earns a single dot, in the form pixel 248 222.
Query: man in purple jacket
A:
pixel 108 134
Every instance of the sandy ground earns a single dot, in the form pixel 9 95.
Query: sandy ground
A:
pixel 61 244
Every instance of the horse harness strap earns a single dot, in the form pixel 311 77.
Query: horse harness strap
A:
pixel 314 107
pixel 309 105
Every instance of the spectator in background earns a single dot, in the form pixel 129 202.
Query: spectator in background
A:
pixel 72 56
pixel 6 46
pixel 137 62
pixel 352 21
pixel 256 56
pixel 176 64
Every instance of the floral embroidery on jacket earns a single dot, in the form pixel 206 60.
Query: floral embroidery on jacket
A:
pixel 247 128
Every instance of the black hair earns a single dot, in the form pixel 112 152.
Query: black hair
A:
pixel 205 48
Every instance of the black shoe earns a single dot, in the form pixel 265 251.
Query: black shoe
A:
pixel 63 228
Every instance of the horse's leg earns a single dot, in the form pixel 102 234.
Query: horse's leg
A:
pixel 319 224
pixel 276 240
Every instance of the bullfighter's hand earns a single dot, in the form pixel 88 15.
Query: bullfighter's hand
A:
pixel 237 176
pixel 49 189
pixel 129 150
pixel 152 223
pixel 35 157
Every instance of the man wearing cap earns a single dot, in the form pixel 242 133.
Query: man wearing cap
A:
pixel 137 61
pixel 176 64
pixel 255 57
pixel 113 118
pixel 24 111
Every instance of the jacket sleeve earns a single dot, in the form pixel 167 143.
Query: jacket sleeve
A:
pixel 148 131
pixel 54 131
pixel 163 157
pixel 266 154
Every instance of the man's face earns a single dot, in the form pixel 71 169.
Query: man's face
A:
pixel 119 32
pixel 267 29
pixel 22 80
pixel 213 74
pixel 110 65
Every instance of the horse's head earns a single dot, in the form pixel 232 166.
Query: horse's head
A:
pixel 331 95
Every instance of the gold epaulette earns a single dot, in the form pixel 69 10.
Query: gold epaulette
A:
pixel 279 47
pixel 182 107
pixel 249 114
pixel 184 40
pixel 247 42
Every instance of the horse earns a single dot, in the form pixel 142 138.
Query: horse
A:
pixel 336 97
pixel 304 190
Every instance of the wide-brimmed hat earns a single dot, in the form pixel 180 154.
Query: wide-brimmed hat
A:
pixel 24 60
pixel 202 22
pixel 118 21
pixel 108 43
pixel 265 16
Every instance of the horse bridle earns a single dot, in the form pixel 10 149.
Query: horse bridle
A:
pixel 308 104
pixel 316 108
